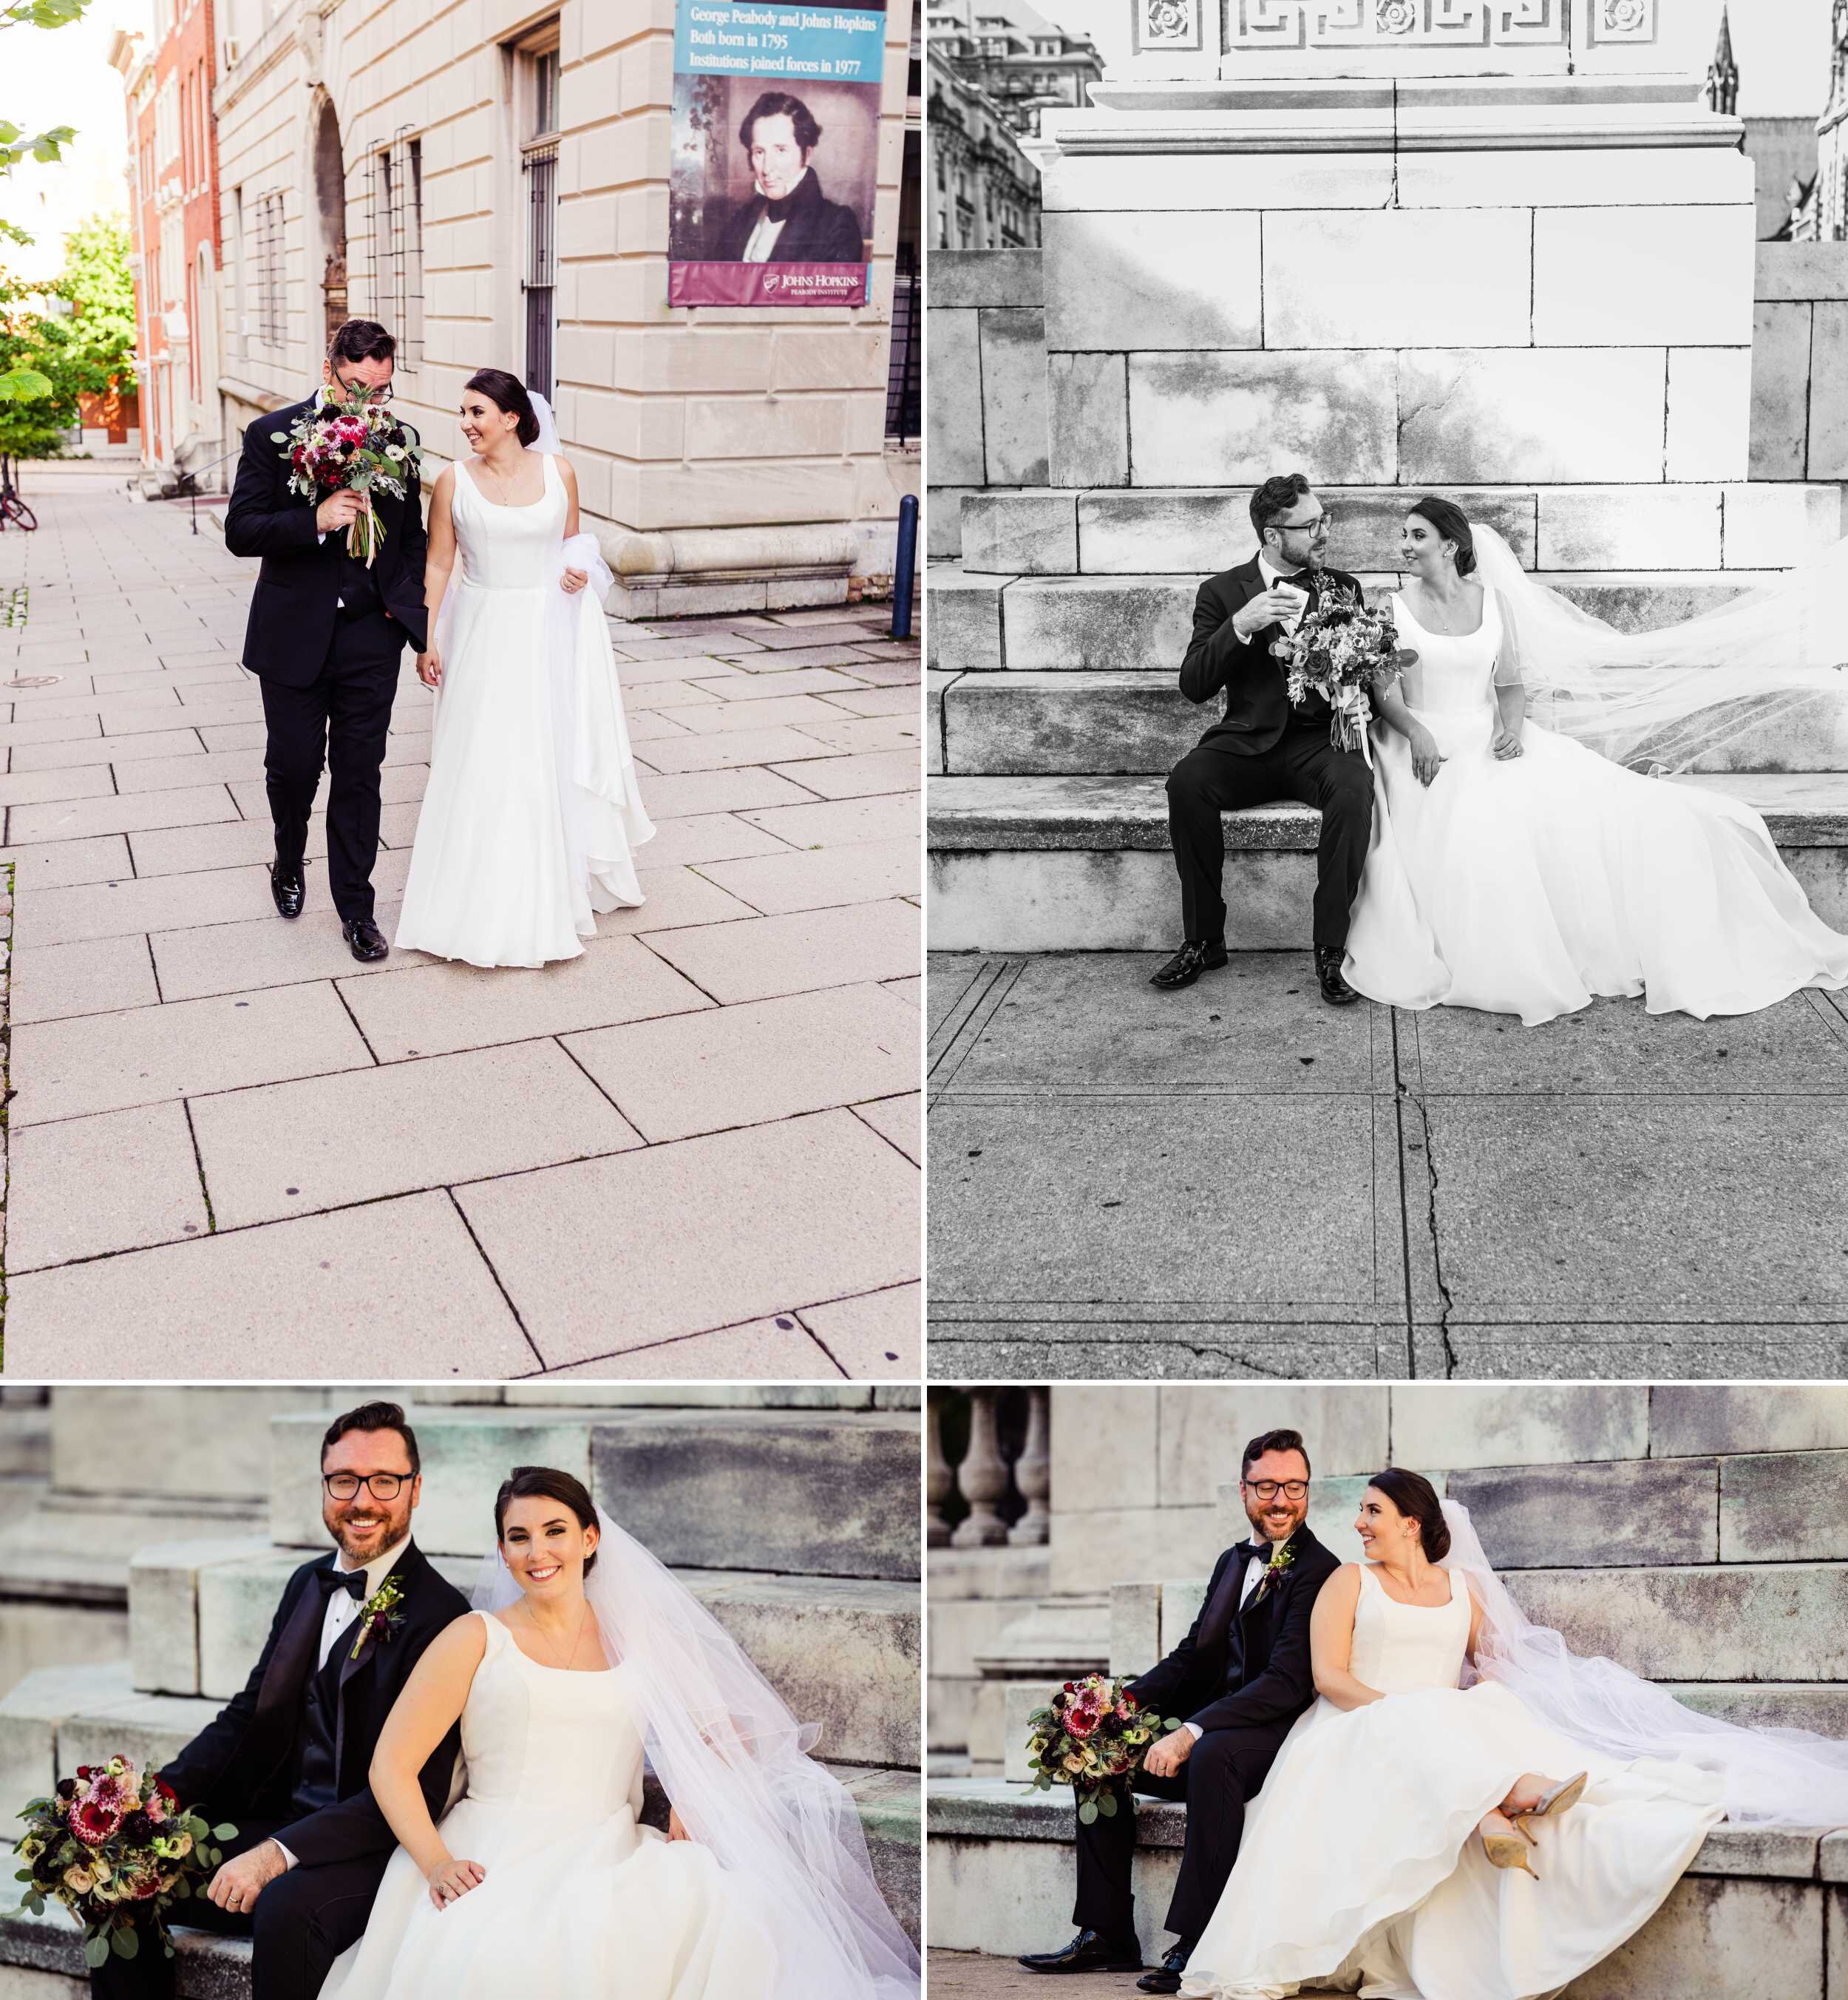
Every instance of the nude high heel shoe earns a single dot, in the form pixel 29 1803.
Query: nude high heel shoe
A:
pixel 1562 1798
pixel 1507 1850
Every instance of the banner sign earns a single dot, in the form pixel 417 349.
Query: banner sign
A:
pixel 775 152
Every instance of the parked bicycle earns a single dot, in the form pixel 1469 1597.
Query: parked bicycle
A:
pixel 14 512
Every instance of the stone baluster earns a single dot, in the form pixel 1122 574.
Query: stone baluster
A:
pixel 939 1477
pixel 1033 1471
pixel 984 1477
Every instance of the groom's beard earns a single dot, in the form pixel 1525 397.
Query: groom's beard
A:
pixel 359 1545
pixel 1276 1521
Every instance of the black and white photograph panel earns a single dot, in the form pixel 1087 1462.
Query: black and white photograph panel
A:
pixel 351 1691
pixel 1425 1692
pixel 1389 907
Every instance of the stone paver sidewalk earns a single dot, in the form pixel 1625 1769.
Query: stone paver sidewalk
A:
pixel 692 1152
pixel 1238 1180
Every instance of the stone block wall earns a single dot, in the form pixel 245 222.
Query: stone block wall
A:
pixel 1662 1474
pixel 1800 362
pixel 985 336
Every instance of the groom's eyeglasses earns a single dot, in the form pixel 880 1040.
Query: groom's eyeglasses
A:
pixel 1268 1489
pixel 378 397
pixel 1322 520
pixel 382 1485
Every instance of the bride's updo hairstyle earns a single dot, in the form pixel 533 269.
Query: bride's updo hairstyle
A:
pixel 1452 523
pixel 508 392
pixel 544 1482
pixel 1415 1496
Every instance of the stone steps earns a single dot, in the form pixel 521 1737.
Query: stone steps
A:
pixel 1753 1917
pixel 1082 863
pixel 842 1651
pixel 984 620
pixel 1137 722
pixel 809 1492
pixel 40 1958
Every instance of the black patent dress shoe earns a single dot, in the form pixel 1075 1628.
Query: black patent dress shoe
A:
pixel 1195 956
pixel 366 940
pixel 1166 1977
pixel 1335 990
pixel 289 890
pixel 1088 1952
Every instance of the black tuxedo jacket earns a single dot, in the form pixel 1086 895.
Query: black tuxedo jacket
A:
pixel 1274 1682
pixel 1257 708
pixel 815 230
pixel 292 610
pixel 244 1762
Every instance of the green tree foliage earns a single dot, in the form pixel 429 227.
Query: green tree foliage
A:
pixel 100 287
pixel 23 384
pixel 40 350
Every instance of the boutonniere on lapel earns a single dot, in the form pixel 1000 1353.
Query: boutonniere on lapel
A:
pixel 380 1617
pixel 1281 1556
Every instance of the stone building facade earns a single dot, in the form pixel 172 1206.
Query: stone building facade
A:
pixel 168 77
pixel 1024 63
pixel 491 181
pixel 984 188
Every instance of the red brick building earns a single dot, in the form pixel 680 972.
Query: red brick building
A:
pixel 167 81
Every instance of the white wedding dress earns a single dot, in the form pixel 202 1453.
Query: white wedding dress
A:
pixel 532 812
pixel 1360 1868
pixel 1530 886
pixel 580 1901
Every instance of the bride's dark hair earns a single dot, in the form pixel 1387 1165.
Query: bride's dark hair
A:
pixel 546 1482
pixel 1417 1499
pixel 1451 522
pixel 508 392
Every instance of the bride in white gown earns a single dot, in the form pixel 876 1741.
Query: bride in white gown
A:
pixel 533 813
pixel 1512 868
pixel 1468 1812
pixel 583 1659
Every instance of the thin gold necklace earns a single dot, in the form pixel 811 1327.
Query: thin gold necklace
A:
pixel 584 1617
pixel 505 485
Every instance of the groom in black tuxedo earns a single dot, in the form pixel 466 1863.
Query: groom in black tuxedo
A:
pixel 325 637
pixel 286 1760
pixel 1241 1677
pixel 1261 748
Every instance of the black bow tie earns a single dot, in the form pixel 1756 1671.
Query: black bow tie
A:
pixel 1260 1549
pixel 778 211
pixel 351 1581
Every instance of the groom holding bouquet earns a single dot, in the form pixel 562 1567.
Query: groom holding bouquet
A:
pixel 1242 1676
pixel 327 633
pixel 1262 748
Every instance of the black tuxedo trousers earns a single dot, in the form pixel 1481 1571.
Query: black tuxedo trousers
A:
pixel 342 718
pixel 302 1922
pixel 1225 1771
pixel 1302 763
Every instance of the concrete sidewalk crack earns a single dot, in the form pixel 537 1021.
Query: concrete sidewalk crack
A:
pixel 1413 1098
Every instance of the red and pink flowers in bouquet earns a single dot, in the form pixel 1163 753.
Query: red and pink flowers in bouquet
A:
pixel 110 1842
pixel 1092 1732
pixel 1341 650
pixel 357 445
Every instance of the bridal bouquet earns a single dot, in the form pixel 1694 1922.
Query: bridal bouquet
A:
pixel 111 1840
pixel 1339 650
pixel 356 445
pixel 1092 1732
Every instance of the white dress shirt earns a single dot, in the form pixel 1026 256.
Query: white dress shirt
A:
pixel 1253 1570
pixel 763 238
pixel 343 1610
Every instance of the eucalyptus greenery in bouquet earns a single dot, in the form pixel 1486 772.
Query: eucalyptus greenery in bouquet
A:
pixel 352 444
pixel 111 1843
pixel 1092 1732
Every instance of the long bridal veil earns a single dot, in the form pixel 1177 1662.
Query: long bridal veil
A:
pixel 735 1763
pixel 1789 1775
pixel 1664 700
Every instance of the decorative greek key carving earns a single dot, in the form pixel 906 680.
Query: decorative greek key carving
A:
pixel 1361 24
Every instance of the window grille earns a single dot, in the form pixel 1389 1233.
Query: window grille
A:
pixel 271 317
pixel 903 372
pixel 538 82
